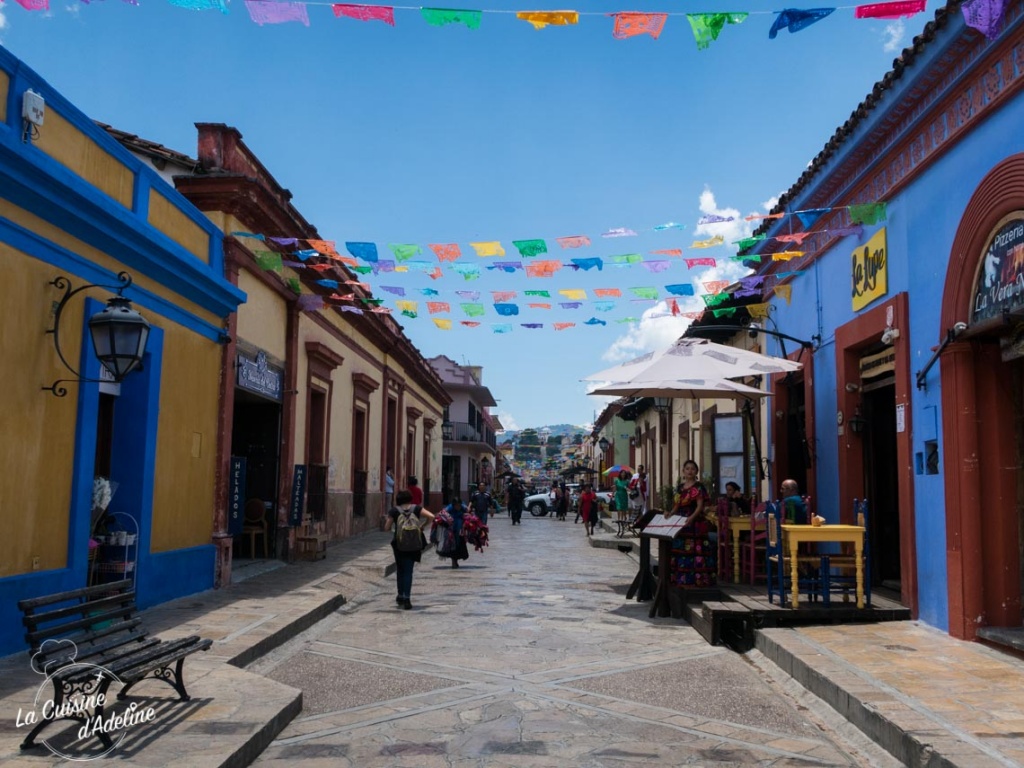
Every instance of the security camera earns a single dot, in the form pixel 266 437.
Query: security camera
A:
pixel 959 328
pixel 753 329
pixel 851 387
pixel 890 335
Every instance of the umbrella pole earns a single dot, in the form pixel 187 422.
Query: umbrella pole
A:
pixel 749 408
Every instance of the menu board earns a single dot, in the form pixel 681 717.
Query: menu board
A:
pixel 661 527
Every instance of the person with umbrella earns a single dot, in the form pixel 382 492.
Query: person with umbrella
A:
pixel 622 493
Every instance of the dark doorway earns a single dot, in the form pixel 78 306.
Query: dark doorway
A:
pixel 880 481
pixel 798 452
pixel 255 435
pixel 451 478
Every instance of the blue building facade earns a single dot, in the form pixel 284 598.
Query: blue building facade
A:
pixel 912 397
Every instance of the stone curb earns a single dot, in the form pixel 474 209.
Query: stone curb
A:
pixel 906 733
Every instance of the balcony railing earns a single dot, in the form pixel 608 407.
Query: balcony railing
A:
pixel 463 432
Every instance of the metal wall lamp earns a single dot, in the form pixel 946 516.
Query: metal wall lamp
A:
pixel 857 422
pixel 119 333
pixel 951 336
pixel 603 444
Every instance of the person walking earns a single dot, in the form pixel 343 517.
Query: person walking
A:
pixel 415 490
pixel 516 497
pixel 480 503
pixel 403 517
pixel 452 539
pixel 588 506
pixel 622 496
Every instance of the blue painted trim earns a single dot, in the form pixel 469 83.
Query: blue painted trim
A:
pixel 140 196
pixel 44 187
pixel 22 587
pixel 67 261
pixel 179 572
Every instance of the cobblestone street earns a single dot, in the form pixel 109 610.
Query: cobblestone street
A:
pixel 529 654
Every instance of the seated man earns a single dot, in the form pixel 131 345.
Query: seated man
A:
pixel 795 510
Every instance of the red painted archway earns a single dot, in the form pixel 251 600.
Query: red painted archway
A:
pixel 979 439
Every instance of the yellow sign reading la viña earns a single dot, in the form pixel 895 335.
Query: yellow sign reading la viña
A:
pixel 869 271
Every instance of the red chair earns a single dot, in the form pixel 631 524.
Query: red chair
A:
pixel 753 563
pixel 724 540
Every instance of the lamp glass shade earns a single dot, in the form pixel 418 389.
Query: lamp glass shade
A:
pixel 662 403
pixel 447 430
pixel 603 443
pixel 119 335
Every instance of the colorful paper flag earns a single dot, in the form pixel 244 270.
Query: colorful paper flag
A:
pixel 691 263
pixel 472 310
pixel 469 295
pixel 810 217
pixel 364 251
pixel 669 225
pixel 595 321
pixel 468 271
pixel 443 323
pixel 588 263
pixel 713 218
pixel 445 251
pixel 439 17
pixel 532 326
pixel 626 258
pixel 668 252
pixel 501 328
pixel 507 266
pixel 786 255
pixel 785 291
pixel 405 251
pixel 530 248
pixel 645 292
pixel 397 290
pixel 276 12
pixel 269 260
pixel 725 312
pixel 570 304
pixel 656 265
pixel 758 311
pixel 794 237
pixel 543 268
pixel 365 12
pixel 707 26
pixel 855 229
pixel 310 302
pixel 871 213
pixel 492 248
pixel 325 247
pixel 574 294
pixel 435 273
pixel 709 243
pixel 619 232
pixel 747 242
pixel 410 307
pixel 575 241
pixel 604 306
pixel 539 306
pixel 563 326
pixel 192 5
pixel 607 293
pixel 629 24
pixel 538 294
pixel 680 289
pixel 759 216
pixel 889 10
pixel 507 309
pixel 986 16
pixel 500 296
pixel 715 286
pixel 541 19
pixel 433 307
pixel 353 310
pixel 795 19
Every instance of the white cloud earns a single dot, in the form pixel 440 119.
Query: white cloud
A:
pixel 507 420
pixel 3 21
pixel 770 203
pixel 73 9
pixel 893 35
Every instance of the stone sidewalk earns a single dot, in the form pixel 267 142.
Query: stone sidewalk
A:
pixel 925 697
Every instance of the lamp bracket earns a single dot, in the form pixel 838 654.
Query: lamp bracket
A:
pixel 63 283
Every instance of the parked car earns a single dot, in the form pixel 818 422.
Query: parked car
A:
pixel 539 504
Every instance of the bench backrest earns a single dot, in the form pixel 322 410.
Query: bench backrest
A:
pixel 96 619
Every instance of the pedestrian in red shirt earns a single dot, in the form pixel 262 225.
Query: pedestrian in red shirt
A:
pixel 415 490
pixel 588 508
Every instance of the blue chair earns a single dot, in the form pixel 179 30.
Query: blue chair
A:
pixel 813 575
pixel 846 580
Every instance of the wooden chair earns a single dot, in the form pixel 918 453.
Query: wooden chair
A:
pixel 846 580
pixel 753 550
pixel 255 524
pixel 811 582
pixel 724 540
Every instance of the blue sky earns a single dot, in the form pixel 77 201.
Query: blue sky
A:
pixel 420 134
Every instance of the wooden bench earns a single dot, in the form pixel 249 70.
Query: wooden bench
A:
pixel 107 645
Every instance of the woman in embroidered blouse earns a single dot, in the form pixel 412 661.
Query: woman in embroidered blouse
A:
pixel 690 494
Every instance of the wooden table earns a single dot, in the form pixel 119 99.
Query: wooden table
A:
pixel 793 535
pixel 737 525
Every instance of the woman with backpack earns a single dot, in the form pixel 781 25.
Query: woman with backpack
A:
pixel 408 520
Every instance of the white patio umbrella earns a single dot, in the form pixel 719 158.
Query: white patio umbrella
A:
pixel 681 388
pixel 690 358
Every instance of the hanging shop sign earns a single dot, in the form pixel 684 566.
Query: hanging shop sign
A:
pixel 236 495
pixel 869 271
pixel 257 375
pixel 999 286
pixel 296 507
pixel 876 365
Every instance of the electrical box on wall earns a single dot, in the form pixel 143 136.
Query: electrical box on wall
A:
pixel 33 107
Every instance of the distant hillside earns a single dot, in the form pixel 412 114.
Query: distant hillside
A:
pixel 555 429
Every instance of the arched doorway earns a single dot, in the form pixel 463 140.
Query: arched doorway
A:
pixel 982 407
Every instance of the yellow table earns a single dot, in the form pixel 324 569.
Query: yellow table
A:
pixel 738 525
pixel 793 535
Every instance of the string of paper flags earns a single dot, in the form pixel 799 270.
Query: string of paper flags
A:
pixel 984 15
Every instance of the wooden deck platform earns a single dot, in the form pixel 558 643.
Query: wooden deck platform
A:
pixel 730 613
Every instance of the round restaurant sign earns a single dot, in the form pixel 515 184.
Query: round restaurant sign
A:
pixel 1000 282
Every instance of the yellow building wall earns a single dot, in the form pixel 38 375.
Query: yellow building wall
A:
pixel 5 85
pixel 263 319
pixel 38 429
pixel 167 218
pixel 186 453
pixel 70 147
